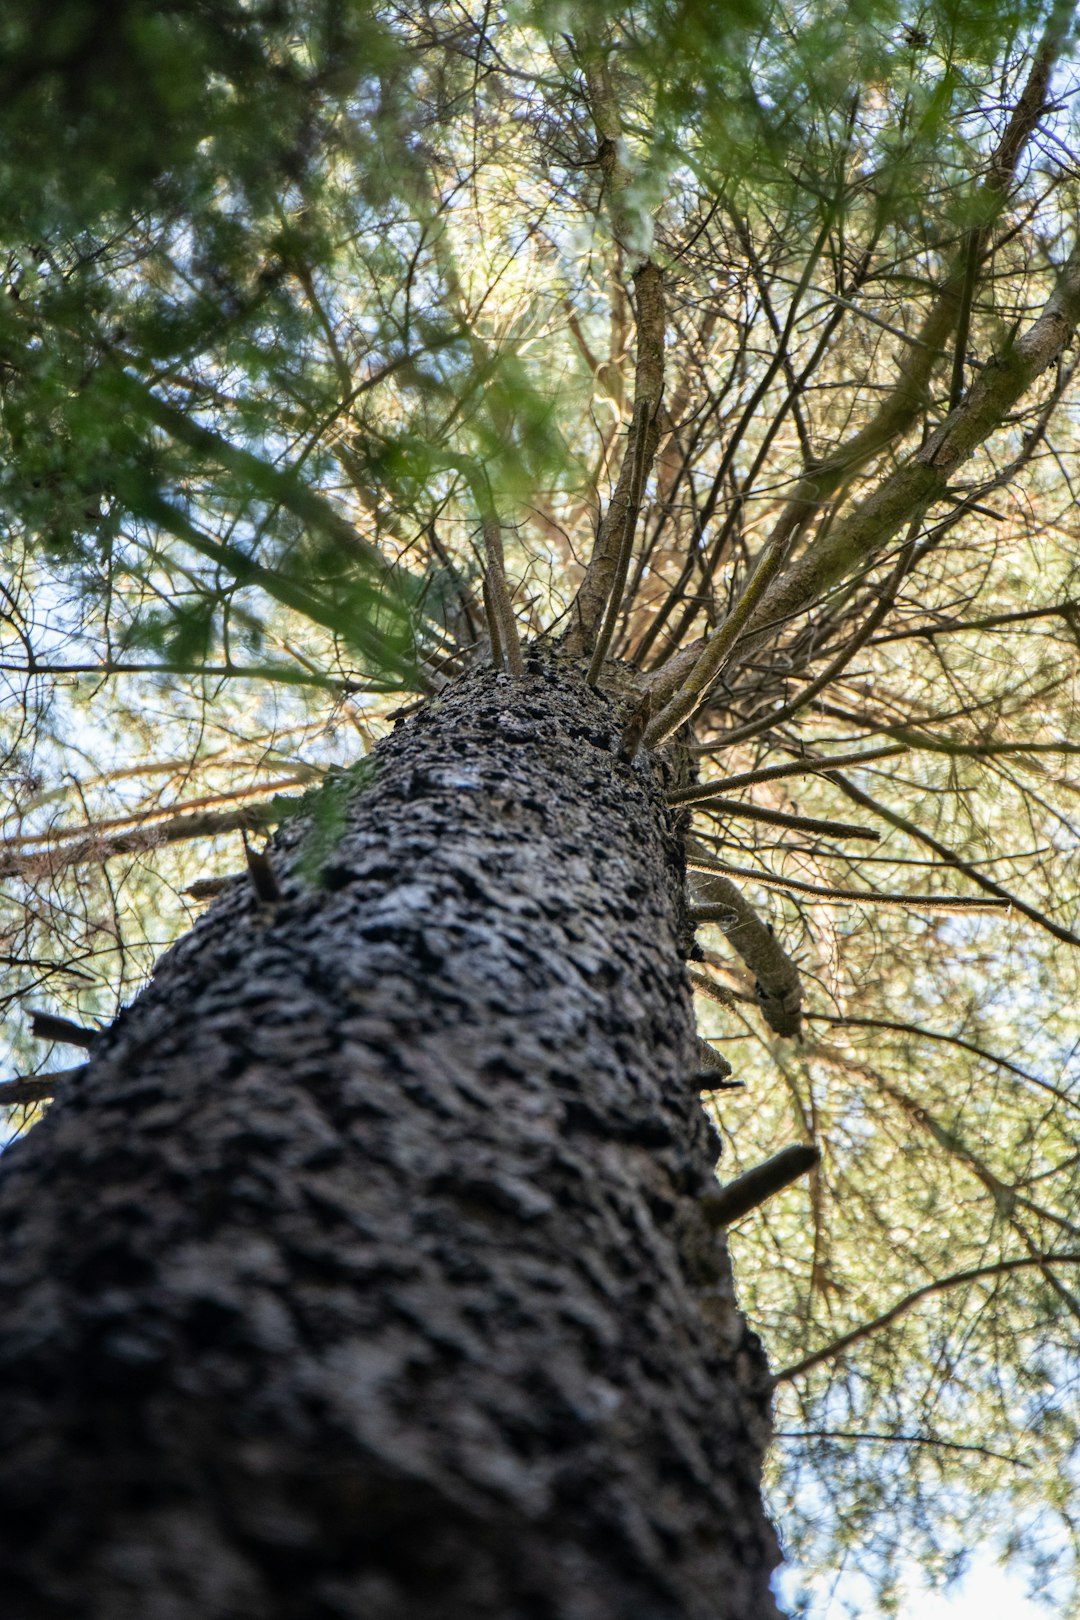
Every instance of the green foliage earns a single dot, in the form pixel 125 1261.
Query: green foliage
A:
pixel 167 175
pixel 107 108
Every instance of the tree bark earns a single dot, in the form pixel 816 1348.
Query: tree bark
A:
pixel 361 1273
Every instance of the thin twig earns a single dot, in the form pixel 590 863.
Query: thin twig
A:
pixel 898 1440
pixel 852 1021
pixel 829 1352
pixel 858 797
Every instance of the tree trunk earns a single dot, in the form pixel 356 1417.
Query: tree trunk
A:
pixel 361 1274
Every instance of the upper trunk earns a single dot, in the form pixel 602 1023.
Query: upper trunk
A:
pixel 361 1274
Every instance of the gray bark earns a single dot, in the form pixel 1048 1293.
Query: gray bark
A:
pixel 362 1272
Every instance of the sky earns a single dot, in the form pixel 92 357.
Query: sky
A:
pixel 987 1592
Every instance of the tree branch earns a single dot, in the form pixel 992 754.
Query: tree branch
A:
pixel 851 1021
pixel 898 1440
pixel 737 809
pixel 865 897
pixel 810 765
pixel 605 577
pixel 923 479
pixel 498 595
pixel 747 1191
pixel 777 982
pixel 208 824
pixel 957 1279
pixel 836 666
pixel 858 797
pixel 32 1088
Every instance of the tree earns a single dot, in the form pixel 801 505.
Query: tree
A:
pixel 678 406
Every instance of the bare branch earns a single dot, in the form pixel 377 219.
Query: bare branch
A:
pixel 837 665
pixel 49 1027
pixel 491 614
pixel 865 897
pixel 956 746
pixel 811 765
pixel 852 1021
pixel 677 595
pixel 709 987
pixel 898 1440
pixel 951 859
pixel 32 1088
pixel 713 1061
pixel 957 1279
pixel 605 577
pixel 498 594
pixel 1068 611
pixel 21 845
pixel 923 479
pixel 639 437
pixel 736 809
pixel 777 982
pixel 207 824
pixel 718 647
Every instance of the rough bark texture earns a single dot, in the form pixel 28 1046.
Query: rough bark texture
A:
pixel 361 1274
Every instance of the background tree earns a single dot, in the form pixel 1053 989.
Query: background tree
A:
pixel 747 344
